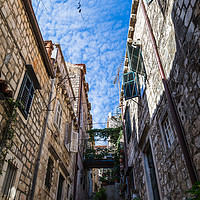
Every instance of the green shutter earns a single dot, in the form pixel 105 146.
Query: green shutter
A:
pixel 130 85
pixel 135 59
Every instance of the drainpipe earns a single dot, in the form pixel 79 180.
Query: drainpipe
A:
pixel 79 113
pixel 42 142
pixel 175 117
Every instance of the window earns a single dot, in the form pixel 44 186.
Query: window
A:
pixel 68 133
pixel 128 124
pixel 58 116
pixel 60 187
pixel 26 95
pixel 130 86
pixel 9 180
pixel 168 131
pixel 49 173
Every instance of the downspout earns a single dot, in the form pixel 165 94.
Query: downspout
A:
pixel 175 117
pixel 79 112
pixel 42 142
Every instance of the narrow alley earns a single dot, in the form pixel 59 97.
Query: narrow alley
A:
pixel 99 100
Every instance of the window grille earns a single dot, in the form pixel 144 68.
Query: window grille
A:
pixel 9 180
pixel 49 173
pixel 26 95
pixel 130 85
pixel 58 116
pixel 168 132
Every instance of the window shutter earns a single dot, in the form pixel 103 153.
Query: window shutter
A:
pixel 60 118
pixel 130 85
pixel 26 95
pixel 68 133
pixel 56 114
pixel 135 59
pixel 128 124
pixel 74 142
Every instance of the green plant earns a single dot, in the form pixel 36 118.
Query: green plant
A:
pixel 99 134
pixel 194 191
pixel 103 179
pixel 101 195
pixel 7 132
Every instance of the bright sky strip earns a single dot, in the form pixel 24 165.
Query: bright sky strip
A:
pixel 95 36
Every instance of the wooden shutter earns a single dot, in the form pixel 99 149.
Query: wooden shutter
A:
pixel 135 59
pixel 26 94
pixel 58 115
pixel 68 133
pixel 74 142
pixel 130 85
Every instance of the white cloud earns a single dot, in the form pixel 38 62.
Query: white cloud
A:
pixel 97 38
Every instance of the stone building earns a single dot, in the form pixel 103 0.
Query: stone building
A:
pixel 26 71
pixel 162 139
pixel 82 107
pixel 55 177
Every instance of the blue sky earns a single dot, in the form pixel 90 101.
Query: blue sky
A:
pixel 96 36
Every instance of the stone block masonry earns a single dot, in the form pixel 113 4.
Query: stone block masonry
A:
pixel 176 29
pixel 18 47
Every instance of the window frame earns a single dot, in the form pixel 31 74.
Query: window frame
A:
pixel 162 118
pixel 9 179
pixel 10 156
pixel 168 134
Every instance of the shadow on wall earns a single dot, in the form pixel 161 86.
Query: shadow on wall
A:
pixel 184 84
pixel 184 81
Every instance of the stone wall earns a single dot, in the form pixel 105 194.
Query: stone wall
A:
pixel 176 30
pixel 77 72
pixel 18 47
pixel 54 143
